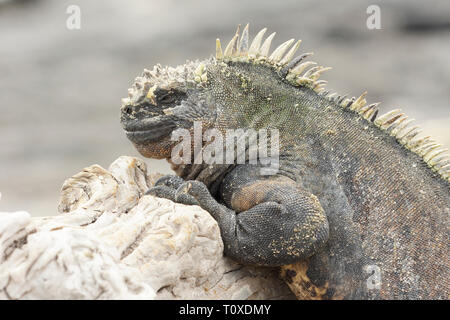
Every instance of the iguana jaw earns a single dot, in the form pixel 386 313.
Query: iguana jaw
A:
pixel 150 129
pixel 149 135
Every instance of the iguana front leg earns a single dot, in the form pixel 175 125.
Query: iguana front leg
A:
pixel 267 220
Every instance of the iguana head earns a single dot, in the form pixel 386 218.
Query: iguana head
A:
pixel 165 98
pixel 162 100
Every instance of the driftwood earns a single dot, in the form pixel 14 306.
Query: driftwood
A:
pixel 111 242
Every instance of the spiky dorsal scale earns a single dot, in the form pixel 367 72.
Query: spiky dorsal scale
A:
pixel 265 48
pixel 288 57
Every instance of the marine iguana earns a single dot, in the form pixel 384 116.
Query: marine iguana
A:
pixel 359 206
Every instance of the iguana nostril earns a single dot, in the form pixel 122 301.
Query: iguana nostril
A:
pixel 128 110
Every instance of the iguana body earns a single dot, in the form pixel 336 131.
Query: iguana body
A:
pixel 354 194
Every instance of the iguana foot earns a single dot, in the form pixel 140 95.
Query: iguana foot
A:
pixel 198 192
pixel 186 192
pixel 171 187
pixel 164 187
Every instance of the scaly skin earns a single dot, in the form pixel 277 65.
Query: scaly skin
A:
pixel 350 196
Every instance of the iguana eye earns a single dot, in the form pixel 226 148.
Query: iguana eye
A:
pixel 166 98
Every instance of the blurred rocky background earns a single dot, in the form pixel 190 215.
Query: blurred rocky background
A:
pixel 60 89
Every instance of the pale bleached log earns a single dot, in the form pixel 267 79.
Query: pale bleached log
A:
pixel 111 242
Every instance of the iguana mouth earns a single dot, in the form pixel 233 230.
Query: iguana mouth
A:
pixel 149 129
